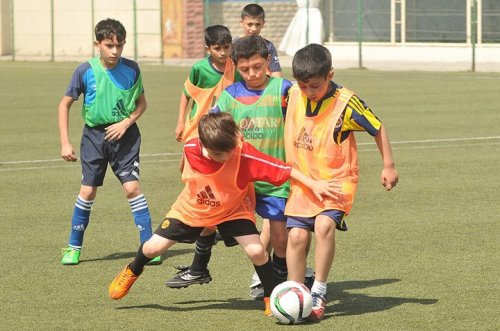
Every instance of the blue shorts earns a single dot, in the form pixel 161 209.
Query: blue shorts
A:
pixel 122 155
pixel 272 208
pixel 308 222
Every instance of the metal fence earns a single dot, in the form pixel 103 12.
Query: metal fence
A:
pixel 59 30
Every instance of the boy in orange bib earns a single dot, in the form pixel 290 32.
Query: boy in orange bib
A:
pixel 319 141
pixel 218 170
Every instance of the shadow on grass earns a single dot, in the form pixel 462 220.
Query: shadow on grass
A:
pixel 228 304
pixel 349 303
pixel 358 304
pixel 131 255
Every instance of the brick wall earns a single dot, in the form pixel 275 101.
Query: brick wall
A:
pixel 193 42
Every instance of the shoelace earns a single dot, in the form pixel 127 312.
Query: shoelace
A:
pixel 125 279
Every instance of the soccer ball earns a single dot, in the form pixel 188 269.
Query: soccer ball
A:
pixel 291 302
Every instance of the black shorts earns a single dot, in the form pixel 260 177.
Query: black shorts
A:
pixel 122 155
pixel 174 229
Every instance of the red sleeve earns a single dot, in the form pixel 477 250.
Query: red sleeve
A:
pixel 257 166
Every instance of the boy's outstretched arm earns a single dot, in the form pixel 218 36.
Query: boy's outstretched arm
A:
pixel 181 119
pixel 117 130
pixel 67 150
pixel 319 188
pixel 389 177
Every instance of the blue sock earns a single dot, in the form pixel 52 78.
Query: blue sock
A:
pixel 142 218
pixel 79 222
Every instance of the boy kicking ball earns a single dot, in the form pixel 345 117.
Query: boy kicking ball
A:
pixel 218 168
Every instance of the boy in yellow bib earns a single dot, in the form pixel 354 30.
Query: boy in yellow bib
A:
pixel 319 141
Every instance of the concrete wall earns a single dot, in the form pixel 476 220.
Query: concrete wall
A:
pixel 73 27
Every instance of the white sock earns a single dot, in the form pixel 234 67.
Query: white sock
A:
pixel 319 288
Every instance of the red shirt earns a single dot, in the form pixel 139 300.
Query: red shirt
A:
pixel 254 166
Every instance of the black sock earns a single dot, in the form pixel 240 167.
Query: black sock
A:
pixel 202 252
pixel 265 273
pixel 137 266
pixel 280 270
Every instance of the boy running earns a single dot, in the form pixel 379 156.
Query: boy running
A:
pixel 322 117
pixel 218 170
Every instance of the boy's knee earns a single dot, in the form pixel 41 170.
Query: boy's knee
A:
pixel 88 192
pixel 258 255
pixel 150 250
pixel 298 237
pixel 132 189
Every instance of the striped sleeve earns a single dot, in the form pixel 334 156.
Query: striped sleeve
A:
pixel 359 117
pixel 257 166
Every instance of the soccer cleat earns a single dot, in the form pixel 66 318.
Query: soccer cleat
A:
pixel 318 309
pixel 122 283
pixel 257 292
pixel 155 261
pixel 70 256
pixel 309 279
pixel 267 307
pixel 186 277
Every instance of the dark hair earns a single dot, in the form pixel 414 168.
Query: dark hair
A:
pixel 218 132
pixel 217 35
pixel 311 61
pixel 108 28
pixel 248 46
pixel 253 10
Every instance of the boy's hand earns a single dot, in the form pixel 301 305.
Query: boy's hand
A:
pixel 389 177
pixel 178 131
pixel 329 188
pixel 68 153
pixel 116 131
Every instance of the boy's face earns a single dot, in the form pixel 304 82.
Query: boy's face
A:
pixel 252 25
pixel 111 51
pixel 316 87
pixel 253 71
pixel 219 53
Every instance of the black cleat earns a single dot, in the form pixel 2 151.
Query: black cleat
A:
pixel 186 277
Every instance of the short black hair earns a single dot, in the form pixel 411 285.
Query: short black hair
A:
pixel 314 60
pixel 253 10
pixel 248 46
pixel 217 35
pixel 108 28
pixel 218 132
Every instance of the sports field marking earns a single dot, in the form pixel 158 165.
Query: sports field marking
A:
pixel 402 142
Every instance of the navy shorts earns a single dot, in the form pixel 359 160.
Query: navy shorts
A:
pixel 174 229
pixel 122 155
pixel 308 222
pixel 272 208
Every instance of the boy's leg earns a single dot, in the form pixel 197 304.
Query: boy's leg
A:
pixel 252 246
pixel 155 246
pixel 198 272
pixel 256 288
pixel 140 212
pixel 279 238
pixel 79 223
pixel 296 253
pixel 324 229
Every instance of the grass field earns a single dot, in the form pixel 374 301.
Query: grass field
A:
pixel 424 256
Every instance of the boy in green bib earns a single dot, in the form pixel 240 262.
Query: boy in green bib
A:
pixel 113 101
